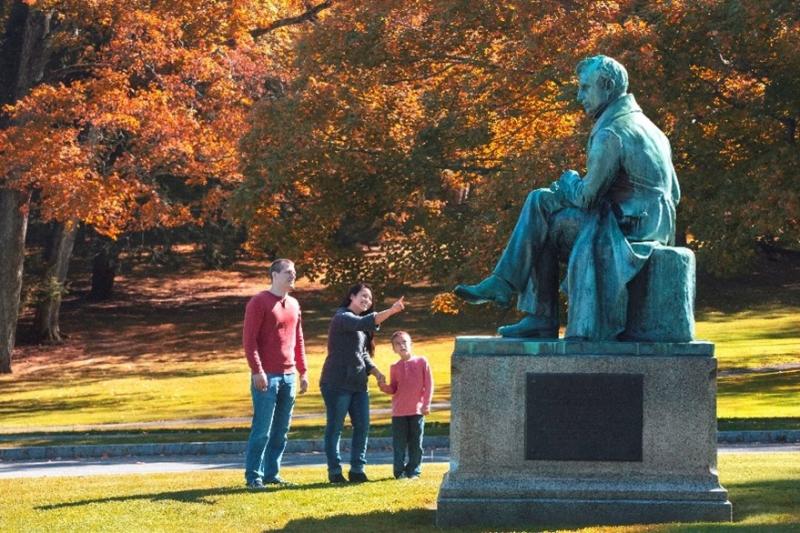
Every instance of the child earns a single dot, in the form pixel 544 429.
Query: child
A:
pixel 411 387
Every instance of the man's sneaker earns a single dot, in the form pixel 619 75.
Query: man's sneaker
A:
pixel 336 478
pixel 413 476
pixel 357 477
pixel 277 480
pixel 256 484
pixel 401 475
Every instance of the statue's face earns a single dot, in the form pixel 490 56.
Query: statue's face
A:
pixel 592 93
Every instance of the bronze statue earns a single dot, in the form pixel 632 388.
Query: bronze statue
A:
pixel 605 223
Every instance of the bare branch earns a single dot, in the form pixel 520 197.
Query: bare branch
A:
pixel 310 15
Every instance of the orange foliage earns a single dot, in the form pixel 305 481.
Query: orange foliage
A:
pixel 417 128
pixel 414 128
pixel 148 95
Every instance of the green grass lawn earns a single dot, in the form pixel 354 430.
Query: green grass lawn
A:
pixel 752 339
pixel 169 349
pixel 188 390
pixel 764 489
pixel 219 389
pixel 160 435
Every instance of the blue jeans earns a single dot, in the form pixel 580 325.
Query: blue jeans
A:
pixel 272 413
pixel 407 433
pixel 338 403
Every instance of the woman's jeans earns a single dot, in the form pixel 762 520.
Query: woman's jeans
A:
pixel 272 413
pixel 407 434
pixel 338 403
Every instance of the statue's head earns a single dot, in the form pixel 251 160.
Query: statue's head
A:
pixel 601 80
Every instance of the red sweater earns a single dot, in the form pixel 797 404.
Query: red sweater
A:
pixel 273 335
pixel 410 385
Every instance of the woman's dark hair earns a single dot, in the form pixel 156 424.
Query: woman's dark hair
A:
pixel 352 291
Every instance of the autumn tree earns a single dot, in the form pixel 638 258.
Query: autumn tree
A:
pixel 414 130
pixel 139 96
pixel 23 60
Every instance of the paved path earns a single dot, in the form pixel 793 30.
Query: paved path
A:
pixel 151 464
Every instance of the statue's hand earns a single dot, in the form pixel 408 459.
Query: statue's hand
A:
pixel 567 184
pixel 558 190
pixel 568 177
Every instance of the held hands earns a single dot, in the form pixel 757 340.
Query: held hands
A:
pixel 382 384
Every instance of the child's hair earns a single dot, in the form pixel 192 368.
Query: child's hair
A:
pixel 398 333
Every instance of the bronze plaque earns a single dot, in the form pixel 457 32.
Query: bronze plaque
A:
pixel 584 417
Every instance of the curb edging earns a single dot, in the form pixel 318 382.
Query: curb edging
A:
pixel 104 451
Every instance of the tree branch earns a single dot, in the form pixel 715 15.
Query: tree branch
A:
pixel 310 15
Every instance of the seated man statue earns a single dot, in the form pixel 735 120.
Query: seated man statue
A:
pixel 606 224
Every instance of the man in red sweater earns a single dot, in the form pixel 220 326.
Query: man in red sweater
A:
pixel 273 344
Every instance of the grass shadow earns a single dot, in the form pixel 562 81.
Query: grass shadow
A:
pixel 405 520
pixel 19 408
pixel 757 424
pixel 782 385
pixel 754 498
pixel 199 496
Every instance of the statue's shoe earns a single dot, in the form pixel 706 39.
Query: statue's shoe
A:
pixel 530 327
pixel 492 289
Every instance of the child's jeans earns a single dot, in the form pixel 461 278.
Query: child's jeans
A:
pixel 407 434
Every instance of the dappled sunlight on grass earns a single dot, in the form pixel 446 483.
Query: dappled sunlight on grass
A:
pixel 164 391
pixel 169 348
pixel 753 395
pixel 752 340
pixel 158 387
pixel 126 399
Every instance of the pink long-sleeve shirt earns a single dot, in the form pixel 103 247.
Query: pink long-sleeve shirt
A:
pixel 273 335
pixel 411 386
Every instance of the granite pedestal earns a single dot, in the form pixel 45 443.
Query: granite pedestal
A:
pixel 547 433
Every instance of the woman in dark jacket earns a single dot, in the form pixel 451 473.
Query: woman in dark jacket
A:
pixel 345 374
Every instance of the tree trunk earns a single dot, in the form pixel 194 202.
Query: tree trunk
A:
pixel 23 56
pixel 104 270
pixel 13 226
pixel 56 260
pixel 24 51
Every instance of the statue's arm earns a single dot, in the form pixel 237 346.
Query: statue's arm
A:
pixel 602 167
